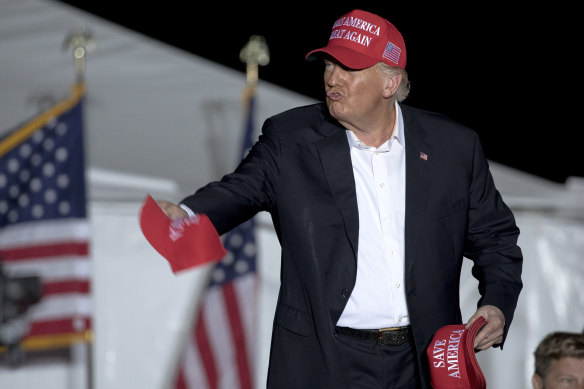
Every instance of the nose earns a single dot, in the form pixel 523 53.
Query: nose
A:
pixel 333 74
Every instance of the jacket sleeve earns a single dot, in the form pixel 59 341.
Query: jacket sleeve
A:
pixel 249 189
pixel 491 241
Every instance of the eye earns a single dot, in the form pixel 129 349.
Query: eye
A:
pixel 566 382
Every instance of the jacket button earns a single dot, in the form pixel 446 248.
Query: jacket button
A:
pixel 345 293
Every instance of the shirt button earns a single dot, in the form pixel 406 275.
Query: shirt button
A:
pixel 381 185
pixel 400 319
pixel 397 285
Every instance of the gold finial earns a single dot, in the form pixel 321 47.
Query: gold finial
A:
pixel 254 53
pixel 81 41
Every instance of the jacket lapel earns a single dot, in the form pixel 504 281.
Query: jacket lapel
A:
pixel 335 158
pixel 418 162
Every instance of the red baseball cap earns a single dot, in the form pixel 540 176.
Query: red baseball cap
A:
pixel 185 243
pixel 360 39
pixel 453 363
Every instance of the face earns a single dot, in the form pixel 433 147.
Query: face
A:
pixel 354 97
pixel 564 373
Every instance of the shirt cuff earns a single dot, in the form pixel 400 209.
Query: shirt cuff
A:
pixel 187 210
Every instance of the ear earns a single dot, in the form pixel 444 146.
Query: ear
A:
pixel 391 84
pixel 536 382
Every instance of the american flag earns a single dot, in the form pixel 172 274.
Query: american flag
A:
pixel 44 231
pixel 219 352
pixel 392 52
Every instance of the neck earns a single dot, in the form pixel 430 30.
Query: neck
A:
pixel 377 132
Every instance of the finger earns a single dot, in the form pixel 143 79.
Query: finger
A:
pixel 487 342
pixel 481 337
pixel 172 210
pixel 479 313
pixel 471 320
pixel 488 336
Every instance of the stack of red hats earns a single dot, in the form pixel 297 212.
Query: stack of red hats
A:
pixel 453 363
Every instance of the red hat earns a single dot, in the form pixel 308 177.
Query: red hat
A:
pixel 360 39
pixel 185 243
pixel 453 363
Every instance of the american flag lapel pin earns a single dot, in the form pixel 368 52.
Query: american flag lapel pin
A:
pixel 423 156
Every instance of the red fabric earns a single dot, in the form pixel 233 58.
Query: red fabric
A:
pixel 185 243
pixel 360 39
pixel 453 363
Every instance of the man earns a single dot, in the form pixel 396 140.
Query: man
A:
pixel 375 204
pixel 559 362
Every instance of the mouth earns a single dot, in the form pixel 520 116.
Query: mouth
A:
pixel 334 96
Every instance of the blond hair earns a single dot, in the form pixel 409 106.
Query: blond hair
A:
pixel 404 87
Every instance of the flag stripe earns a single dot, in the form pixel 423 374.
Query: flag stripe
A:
pixel 61 305
pixel 67 286
pixel 246 294
pixel 46 251
pixel 180 380
pixel 192 367
pixel 238 335
pixel 218 333
pixel 205 351
pixel 44 232
pixel 60 326
pixel 55 269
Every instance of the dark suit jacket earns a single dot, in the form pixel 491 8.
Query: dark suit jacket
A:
pixel 300 172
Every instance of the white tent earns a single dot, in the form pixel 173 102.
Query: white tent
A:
pixel 164 122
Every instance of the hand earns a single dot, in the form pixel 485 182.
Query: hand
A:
pixel 172 210
pixel 492 332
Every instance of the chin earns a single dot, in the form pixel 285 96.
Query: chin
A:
pixel 333 109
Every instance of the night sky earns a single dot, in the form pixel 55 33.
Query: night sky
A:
pixel 510 74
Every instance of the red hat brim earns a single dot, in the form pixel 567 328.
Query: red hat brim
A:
pixel 346 56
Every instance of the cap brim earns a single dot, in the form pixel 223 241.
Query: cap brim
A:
pixel 347 57
pixel 475 374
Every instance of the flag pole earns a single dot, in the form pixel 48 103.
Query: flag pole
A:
pixel 81 41
pixel 253 54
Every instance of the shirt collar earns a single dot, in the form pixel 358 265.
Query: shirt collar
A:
pixel 397 134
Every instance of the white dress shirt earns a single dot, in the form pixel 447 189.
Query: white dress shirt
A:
pixel 378 299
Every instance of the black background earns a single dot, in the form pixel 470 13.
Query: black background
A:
pixel 510 73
